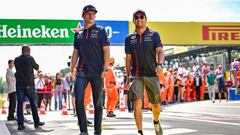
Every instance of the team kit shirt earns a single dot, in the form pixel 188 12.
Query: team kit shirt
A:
pixel 143 52
pixel 90 43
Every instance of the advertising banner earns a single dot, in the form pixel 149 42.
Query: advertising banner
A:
pixel 196 33
pixel 13 31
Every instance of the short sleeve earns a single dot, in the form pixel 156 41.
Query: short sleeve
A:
pixel 76 41
pixel 127 46
pixel 104 38
pixel 157 40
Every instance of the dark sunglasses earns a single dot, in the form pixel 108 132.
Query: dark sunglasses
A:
pixel 136 17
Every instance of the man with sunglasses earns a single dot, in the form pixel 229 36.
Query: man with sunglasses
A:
pixel 91 50
pixel 144 62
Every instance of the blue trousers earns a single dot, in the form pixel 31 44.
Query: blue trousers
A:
pixel 58 98
pixel 30 93
pixel 96 81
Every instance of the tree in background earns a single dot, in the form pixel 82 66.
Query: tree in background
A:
pixel 3 85
pixel 65 71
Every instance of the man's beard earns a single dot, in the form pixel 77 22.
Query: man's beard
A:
pixel 140 27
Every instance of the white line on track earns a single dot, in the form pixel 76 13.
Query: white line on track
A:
pixel 208 121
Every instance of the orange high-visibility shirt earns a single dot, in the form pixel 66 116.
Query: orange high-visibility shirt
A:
pixel 162 79
pixel 110 80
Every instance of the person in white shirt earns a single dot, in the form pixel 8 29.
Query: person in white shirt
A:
pixel 66 87
pixel 235 69
pixel 195 68
pixel 11 90
pixel 39 85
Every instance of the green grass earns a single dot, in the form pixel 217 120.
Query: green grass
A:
pixel 1 101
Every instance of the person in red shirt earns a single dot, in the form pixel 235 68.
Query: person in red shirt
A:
pixel 48 92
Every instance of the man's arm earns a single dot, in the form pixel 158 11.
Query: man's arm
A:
pixel 35 65
pixel 128 69
pixel 106 53
pixel 160 60
pixel 128 64
pixel 74 59
pixel 160 55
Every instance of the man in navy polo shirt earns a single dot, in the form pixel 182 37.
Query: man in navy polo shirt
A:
pixel 144 58
pixel 91 50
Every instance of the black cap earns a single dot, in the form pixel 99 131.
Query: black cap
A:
pixel 139 11
pixel 89 8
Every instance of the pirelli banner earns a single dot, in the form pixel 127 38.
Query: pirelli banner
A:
pixel 196 33
pixel 14 31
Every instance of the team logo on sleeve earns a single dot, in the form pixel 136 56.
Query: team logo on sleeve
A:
pixel 133 39
pixel 80 34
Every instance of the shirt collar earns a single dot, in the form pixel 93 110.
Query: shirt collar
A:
pixel 145 32
pixel 92 27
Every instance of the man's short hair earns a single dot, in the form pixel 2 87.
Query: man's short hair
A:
pixel 25 48
pixel 89 8
pixel 139 11
pixel 10 61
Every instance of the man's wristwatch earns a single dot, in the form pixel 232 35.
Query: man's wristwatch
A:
pixel 160 65
pixel 105 69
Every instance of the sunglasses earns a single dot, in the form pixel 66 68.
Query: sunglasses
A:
pixel 139 17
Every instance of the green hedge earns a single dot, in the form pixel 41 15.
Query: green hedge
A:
pixel 1 101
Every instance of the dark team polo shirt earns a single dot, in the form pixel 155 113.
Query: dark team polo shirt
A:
pixel 90 43
pixel 143 51
pixel 24 65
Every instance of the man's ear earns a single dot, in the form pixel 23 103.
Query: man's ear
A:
pixel 83 15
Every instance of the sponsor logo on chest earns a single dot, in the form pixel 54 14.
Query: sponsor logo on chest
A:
pixel 147 38
pixel 94 34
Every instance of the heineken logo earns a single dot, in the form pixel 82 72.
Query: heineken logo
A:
pixel 40 32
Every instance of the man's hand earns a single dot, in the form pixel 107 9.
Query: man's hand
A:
pixel 159 70
pixel 39 71
pixel 127 84
pixel 73 78
pixel 104 74
pixel 73 74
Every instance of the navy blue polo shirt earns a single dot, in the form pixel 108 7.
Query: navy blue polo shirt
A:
pixel 90 43
pixel 143 51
